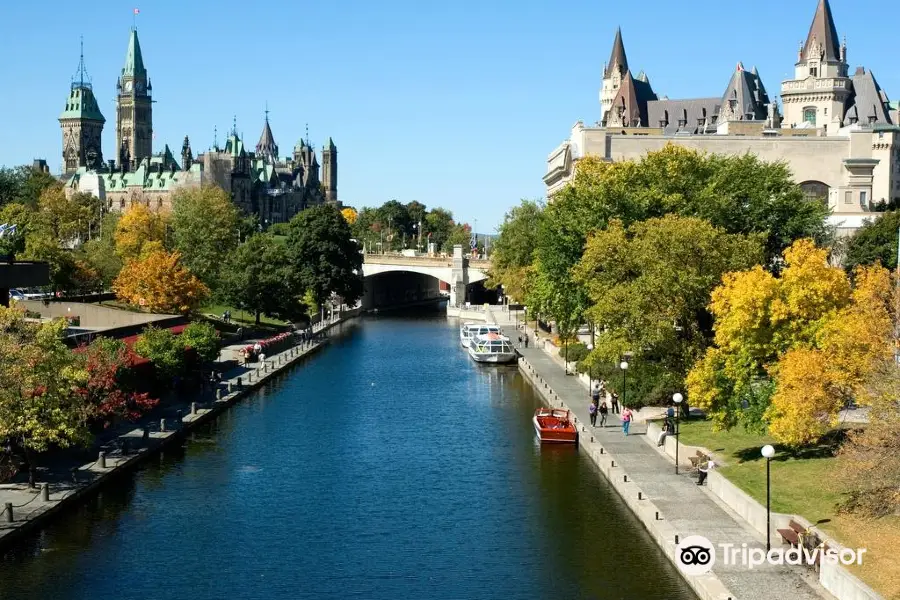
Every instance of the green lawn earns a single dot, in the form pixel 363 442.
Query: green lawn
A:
pixel 239 316
pixel 804 484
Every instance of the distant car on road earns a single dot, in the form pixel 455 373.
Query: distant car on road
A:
pixel 16 295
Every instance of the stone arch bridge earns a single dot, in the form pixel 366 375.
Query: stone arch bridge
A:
pixel 384 274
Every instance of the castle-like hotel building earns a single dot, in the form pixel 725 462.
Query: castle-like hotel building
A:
pixel 836 130
pixel 259 182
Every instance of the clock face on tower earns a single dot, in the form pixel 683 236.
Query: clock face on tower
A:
pixel 139 87
pixel 127 86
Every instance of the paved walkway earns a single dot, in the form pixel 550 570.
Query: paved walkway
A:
pixel 688 507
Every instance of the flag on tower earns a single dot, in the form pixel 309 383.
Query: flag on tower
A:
pixel 137 11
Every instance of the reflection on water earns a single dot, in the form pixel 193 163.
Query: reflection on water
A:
pixel 390 466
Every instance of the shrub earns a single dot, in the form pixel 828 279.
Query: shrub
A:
pixel 576 352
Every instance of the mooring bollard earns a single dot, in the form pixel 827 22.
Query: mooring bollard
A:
pixel 126 447
pixel 240 383
pixel 9 512
pixel 218 393
pixel 657 516
pixel 249 376
pixel 613 463
pixel 146 432
pixel 230 387
pixel 676 540
pixel 193 408
pixel 640 496
pixel 602 451
pixel 162 425
pixel 102 460
pixel 45 492
pixel 626 479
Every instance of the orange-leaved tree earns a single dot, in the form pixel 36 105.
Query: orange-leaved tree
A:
pixel 350 215
pixel 158 282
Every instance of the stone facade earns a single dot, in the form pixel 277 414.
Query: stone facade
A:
pixel 838 132
pixel 259 182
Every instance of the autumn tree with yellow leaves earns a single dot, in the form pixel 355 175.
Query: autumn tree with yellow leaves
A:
pixel 349 215
pixel 791 350
pixel 138 228
pixel 158 282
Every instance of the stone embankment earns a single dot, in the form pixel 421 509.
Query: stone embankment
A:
pixel 24 510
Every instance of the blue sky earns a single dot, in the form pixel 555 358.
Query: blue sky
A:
pixel 453 104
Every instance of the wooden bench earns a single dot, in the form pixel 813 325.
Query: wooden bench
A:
pixel 697 460
pixel 792 534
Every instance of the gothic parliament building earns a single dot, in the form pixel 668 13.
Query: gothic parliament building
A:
pixel 259 182
pixel 835 128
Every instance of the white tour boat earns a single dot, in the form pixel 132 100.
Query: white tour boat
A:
pixel 491 348
pixel 469 331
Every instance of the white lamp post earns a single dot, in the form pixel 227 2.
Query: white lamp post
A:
pixel 624 366
pixel 677 398
pixel 768 452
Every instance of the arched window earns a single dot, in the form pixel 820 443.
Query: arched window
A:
pixel 815 190
pixel 809 115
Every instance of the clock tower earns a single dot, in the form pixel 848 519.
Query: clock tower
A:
pixel 81 124
pixel 134 106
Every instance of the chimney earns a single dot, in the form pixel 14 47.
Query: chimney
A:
pixel 860 71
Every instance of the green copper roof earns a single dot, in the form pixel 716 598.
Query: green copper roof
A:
pixel 134 62
pixel 81 104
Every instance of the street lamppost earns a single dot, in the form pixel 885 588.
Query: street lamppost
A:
pixel 768 452
pixel 590 348
pixel 677 399
pixel 624 366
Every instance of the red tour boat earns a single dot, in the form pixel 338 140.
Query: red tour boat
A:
pixel 555 425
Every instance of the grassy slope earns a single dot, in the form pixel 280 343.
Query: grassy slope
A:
pixel 805 485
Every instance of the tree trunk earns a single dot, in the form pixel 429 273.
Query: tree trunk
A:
pixel 258 313
pixel 30 461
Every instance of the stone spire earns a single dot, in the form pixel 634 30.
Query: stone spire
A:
pixel 617 59
pixel 267 148
pixel 822 42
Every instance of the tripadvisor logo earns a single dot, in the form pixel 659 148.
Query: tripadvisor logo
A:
pixel 696 555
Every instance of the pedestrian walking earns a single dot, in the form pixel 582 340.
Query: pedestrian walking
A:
pixel 615 403
pixel 526 341
pixel 592 409
pixel 626 419
pixel 704 469
pixel 603 410
pixel 595 393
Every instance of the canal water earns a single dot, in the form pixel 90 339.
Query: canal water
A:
pixel 387 467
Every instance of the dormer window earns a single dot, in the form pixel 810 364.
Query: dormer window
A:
pixel 813 71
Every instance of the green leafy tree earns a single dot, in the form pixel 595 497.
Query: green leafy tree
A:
pixel 875 242
pixel 203 338
pixel 513 250
pixel 164 350
pixel 11 182
pixel 649 286
pixel 100 252
pixel 438 227
pixel 460 234
pixel 259 277
pixel 323 256
pixel 41 406
pixel 34 183
pixel 205 230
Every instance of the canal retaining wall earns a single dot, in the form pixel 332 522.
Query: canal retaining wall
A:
pixel 50 502
pixel 663 532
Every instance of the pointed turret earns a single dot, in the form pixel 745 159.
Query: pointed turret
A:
pixel 267 148
pixel 617 59
pixel 822 42
pixel 134 61
pixel 187 157
pixel 81 123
